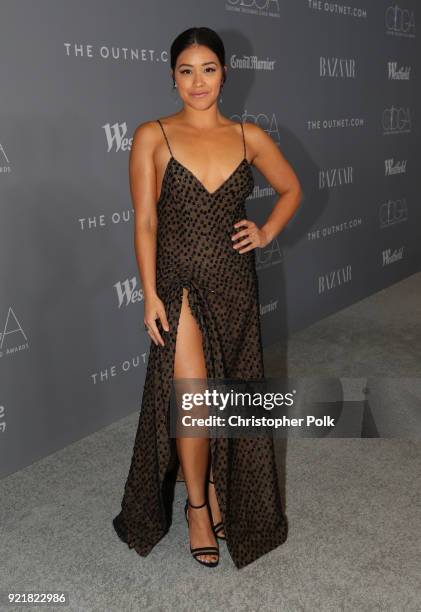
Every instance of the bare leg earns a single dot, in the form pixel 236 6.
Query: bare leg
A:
pixel 193 452
pixel 214 506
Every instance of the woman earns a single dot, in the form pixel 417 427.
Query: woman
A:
pixel 190 175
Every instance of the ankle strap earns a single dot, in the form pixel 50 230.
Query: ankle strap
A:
pixel 201 505
pixel 211 481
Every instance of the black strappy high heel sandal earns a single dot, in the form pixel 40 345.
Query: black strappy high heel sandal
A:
pixel 202 550
pixel 218 526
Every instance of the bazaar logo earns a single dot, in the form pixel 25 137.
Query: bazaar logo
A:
pixel 337 67
pixel 336 177
pixel 334 279
pixel 116 137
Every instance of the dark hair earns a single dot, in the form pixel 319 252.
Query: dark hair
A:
pixel 198 36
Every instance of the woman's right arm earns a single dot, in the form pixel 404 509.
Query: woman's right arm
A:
pixel 142 175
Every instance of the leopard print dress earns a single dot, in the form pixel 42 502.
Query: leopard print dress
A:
pixel 194 250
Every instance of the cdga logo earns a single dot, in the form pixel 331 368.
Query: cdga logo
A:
pixel 393 212
pixel 400 22
pixel 271 255
pixel 259 5
pixel 396 120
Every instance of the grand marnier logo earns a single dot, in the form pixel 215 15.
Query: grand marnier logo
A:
pixel 251 62
pixel 268 308
pixel 116 135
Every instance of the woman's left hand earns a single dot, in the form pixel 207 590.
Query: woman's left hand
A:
pixel 252 236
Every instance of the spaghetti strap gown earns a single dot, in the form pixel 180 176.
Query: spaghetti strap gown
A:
pixel 194 250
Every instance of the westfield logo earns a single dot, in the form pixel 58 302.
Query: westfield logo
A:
pixel 116 137
pixel 398 74
pixel 127 292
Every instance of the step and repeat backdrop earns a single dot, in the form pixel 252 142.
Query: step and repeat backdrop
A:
pixel 332 83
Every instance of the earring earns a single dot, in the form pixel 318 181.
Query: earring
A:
pixel 220 91
pixel 175 96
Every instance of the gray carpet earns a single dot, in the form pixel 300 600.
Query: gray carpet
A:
pixel 353 505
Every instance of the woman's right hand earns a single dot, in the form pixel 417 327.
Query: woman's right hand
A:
pixel 155 310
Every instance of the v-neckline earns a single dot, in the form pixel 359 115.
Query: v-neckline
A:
pixel 209 193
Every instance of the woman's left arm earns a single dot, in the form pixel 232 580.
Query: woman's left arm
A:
pixel 269 160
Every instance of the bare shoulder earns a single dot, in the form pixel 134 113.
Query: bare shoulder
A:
pixel 257 139
pixel 254 132
pixel 146 134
